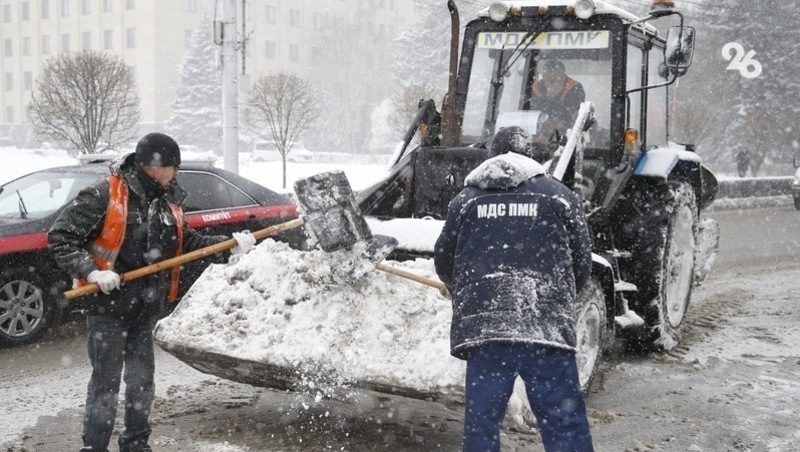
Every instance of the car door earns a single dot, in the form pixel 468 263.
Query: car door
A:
pixel 214 205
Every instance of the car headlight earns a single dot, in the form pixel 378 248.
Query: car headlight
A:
pixel 585 9
pixel 796 182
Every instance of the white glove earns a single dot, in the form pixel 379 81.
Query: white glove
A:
pixel 244 241
pixel 107 280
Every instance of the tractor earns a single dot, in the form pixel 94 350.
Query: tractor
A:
pixel 642 193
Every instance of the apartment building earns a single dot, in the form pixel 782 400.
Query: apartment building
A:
pixel 150 36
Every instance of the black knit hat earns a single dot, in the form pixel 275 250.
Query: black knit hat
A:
pixel 158 149
pixel 510 139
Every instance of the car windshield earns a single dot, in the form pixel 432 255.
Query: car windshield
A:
pixel 40 194
pixel 535 80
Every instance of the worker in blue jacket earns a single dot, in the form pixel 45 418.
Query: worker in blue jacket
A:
pixel 514 251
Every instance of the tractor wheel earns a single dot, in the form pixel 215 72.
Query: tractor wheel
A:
pixel 661 235
pixel 591 333
pixel 26 309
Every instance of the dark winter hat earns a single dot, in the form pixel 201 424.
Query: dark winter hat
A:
pixel 510 139
pixel 157 149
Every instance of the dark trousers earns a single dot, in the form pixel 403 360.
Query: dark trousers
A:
pixel 551 383
pixel 114 344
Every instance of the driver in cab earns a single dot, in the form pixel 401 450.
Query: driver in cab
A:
pixel 556 93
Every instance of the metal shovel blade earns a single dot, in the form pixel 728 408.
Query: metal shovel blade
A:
pixel 330 211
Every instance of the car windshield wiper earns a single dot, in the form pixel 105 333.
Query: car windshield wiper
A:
pixel 23 211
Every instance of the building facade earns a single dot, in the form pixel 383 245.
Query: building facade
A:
pixel 150 36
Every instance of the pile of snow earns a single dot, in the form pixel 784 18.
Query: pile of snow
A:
pixel 285 307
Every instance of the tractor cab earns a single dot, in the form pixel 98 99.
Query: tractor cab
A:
pixel 593 84
pixel 532 64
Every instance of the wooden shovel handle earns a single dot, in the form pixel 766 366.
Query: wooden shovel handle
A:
pixel 184 258
pixel 436 284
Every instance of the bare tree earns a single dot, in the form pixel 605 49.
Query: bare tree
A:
pixel 282 108
pixel 406 105
pixel 86 100
pixel 692 124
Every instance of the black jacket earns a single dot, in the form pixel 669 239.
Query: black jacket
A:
pixel 514 250
pixel 150 236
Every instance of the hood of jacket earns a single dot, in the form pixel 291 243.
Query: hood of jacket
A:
pixel 126 167
pixel 503 171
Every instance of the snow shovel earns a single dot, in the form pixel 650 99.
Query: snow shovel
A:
pixel 335 221
pixel 322 201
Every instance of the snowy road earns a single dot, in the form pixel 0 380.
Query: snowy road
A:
pixel 731 385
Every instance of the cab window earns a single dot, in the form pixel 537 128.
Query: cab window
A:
pixel 507 79
pixel 633 81
pixel 656 100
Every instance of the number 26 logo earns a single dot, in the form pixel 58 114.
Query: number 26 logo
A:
pixel 741 61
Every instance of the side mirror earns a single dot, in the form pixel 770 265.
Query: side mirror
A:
pixel 680 48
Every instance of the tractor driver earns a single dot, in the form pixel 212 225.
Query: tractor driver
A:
pixel 556 93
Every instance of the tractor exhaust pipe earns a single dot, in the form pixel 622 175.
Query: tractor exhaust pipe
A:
pixel 450 120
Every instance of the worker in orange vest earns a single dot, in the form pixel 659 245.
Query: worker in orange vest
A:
pixel 128 220
pixel 555 92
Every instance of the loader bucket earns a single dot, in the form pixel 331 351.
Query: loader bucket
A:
pixel 267 375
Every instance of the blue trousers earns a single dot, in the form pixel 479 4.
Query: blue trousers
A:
pixel 113 343
pixel 551 383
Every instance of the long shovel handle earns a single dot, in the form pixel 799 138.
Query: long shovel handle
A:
pixel 184 258
pixel 436 284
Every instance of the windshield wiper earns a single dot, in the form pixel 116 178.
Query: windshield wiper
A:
pixel 527 40
pixel 502 71
pixel 23 211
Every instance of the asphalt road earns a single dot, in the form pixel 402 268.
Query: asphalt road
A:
pixel 757 237
pixel 730 385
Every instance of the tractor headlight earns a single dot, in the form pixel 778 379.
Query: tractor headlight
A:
pixel 585 9
pixel 498 11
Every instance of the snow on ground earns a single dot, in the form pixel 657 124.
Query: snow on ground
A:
pixel 751 332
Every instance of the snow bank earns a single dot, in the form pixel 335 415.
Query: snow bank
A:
pixel 283 307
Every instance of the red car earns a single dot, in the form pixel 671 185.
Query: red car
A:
pixel 31 285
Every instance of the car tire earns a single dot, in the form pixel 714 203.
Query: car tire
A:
pixel 591 334
pixel 662 262
pixel 27 310
pixel 797 202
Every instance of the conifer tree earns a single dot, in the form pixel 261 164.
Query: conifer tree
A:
pixel 197 108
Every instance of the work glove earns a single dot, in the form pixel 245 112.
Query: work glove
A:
pixel 244 241
pixel 445 292
pixel 107 280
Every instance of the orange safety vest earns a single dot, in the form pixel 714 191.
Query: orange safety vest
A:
pixel 538 88
pixel 105 248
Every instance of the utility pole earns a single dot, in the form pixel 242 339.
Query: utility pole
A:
pixel 230 110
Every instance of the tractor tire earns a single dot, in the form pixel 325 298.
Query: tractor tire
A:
pixel 661 237
pixel 591 333
pixel 27 310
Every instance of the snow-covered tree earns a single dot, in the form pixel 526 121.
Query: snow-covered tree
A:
pixel 422 62
pixel 739 104
pixel 197 109
pixel 423 56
